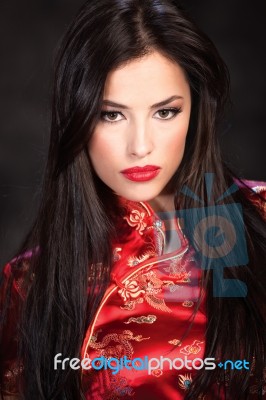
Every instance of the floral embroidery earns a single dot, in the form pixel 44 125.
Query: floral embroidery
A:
pixel 184 381
pixel 188 303
pixel 122 348
pixel 157 373
pixel 145 287
pixel 136 219
pixel 193 348
pixel 130 290
pixel 149 319
pixel 175 342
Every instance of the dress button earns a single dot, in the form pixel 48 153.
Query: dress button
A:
pixel 158 224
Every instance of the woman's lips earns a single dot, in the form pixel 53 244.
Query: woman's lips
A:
pixel 141 174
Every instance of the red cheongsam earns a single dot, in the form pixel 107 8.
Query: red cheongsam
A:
pixel 147 312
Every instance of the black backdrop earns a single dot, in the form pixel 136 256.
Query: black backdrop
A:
pixel 29 34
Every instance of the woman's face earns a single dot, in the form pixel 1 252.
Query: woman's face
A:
pixel 139 141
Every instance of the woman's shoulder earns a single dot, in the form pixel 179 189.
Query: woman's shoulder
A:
pixel 12 296
pixel 14 273
pixel 255 192
pixel 256 186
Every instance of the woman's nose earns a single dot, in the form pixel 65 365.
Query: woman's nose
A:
pixel 140 142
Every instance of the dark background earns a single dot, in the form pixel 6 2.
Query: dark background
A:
pixel 30 31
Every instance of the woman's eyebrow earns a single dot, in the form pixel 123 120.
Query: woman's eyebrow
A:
pixel 160 104
pixel 166 101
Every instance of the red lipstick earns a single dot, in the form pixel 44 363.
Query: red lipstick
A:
pixel 141 174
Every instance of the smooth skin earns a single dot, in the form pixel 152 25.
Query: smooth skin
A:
pixel 134 130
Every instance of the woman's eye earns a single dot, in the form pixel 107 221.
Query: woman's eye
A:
pixel 168 113
pixel 111 116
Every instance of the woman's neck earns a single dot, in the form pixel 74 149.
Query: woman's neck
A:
pixel 164 207
pixel 163 203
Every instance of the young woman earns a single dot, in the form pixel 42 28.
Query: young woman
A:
pixel 148 254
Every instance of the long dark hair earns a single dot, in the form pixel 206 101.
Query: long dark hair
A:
pixel 70 239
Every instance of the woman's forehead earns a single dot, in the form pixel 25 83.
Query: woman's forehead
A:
pixel 149 79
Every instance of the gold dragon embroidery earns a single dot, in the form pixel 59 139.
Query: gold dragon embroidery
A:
pixel 123 347
pixel 145 287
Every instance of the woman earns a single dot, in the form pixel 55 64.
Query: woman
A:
pixel 119 264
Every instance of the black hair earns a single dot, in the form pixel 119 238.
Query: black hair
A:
pixel 71 235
